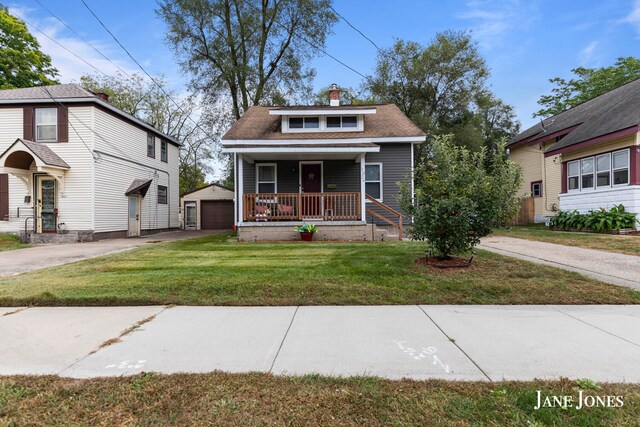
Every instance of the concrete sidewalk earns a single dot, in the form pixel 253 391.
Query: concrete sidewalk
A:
pixel 609 267
pixel 42 256
pixel 446 342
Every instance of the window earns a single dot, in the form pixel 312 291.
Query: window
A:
pixel 162 195
pixel 342 122
pixel 573 173
pixel 151 146
pixel 621 167
pixel 587 173
pixel 373 180
pixel 46 124
pixel 304 122
pixel 163 151
pixel 603 170
pixel 266 174
pixel 536 189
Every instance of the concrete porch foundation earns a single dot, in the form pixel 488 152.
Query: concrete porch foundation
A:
pixel 327 230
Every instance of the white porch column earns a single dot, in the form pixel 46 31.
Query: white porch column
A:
pixel 362 189
pixel 239 174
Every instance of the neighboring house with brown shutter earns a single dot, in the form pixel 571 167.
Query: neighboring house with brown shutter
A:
pixel 72 164
pixel 585 158
pixel 337 166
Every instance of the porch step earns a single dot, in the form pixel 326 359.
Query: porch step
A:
pixel 53 238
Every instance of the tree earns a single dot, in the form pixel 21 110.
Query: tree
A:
pixel 460 196
pixel 348 96
pixel 442 89
pixel 251 51
pixel 148 102
pixel 588 83
pixel 22 64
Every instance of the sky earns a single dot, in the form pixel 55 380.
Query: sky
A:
pixel 525 42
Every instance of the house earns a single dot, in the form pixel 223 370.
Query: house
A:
pixel 337 166
pixel 208 208
pixel 585 158
pixel 74 167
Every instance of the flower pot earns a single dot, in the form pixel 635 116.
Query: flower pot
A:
pixel 306 236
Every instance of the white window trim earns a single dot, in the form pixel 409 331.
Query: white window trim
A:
pixel 322 127
pixel 594 158
pixel 380 181
pixel 628 168
pixel 573 190
pixel 275 177
pixel 608 170
pixel 153 138
pixel 55 138
pixel 593 173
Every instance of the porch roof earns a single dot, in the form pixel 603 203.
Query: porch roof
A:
pixel 23 152
pixel 257 151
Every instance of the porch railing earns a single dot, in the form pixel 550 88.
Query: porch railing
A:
pixel 300 206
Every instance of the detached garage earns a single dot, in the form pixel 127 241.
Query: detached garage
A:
pixel 207 208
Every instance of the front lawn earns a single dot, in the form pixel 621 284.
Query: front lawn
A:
pixel 263 399
pixel 217 271
pixel 9 242
pixel 606 242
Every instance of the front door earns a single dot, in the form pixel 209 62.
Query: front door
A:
pixel 46 205
pixel 134 216
pixel 190 216
pixel 311 182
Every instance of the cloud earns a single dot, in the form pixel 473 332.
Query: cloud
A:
pixel 633 18
pixel 492 19
pixel 589 53
pixel 71 68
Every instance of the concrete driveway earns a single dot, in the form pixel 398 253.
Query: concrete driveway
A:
pixel 609 267
pixel 43 256
pixel 485 343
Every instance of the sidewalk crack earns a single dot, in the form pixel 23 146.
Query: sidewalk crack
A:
pixel 283 339
pixel 596 327
pixel 454 342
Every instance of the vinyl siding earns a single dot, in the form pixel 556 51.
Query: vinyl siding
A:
pixel 74 205
pixel 124 159
pixel 396 167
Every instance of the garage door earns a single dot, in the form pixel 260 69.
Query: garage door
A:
pixel 216 214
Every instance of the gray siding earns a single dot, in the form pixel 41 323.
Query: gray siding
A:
pixel 396 167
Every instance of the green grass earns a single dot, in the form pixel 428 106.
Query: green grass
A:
pixel 263 399
pixel 218 271
pixel 606 242
pixel 10 242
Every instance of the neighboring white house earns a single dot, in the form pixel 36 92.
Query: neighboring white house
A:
pixel 208 208
pixel 71 163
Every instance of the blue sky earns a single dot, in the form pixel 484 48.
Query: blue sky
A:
pixel 525 42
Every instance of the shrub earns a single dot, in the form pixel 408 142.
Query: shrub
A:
pixel 599 220
pixel 460 196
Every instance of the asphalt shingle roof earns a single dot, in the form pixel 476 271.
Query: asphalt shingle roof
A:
pixel 44 153
pixel 610 112
pixel 258 124
pixel 70 90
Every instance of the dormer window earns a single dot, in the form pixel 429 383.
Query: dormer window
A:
pixel 342 122
pixel 304 122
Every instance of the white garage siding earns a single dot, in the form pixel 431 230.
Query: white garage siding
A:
pixel 122 151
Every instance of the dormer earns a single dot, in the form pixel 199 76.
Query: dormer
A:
pixel 331 118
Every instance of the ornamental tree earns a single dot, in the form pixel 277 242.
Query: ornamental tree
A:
pixel 460 195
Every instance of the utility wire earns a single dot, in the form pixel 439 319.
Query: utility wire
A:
pixel 188 116
pixel 356 29
pixel 83 39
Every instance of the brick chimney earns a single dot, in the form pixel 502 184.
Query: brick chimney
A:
pixel 334 95
pixel 103 96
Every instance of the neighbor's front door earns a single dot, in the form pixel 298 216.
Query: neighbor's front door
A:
pixel 311 182
pixel 134 216
pixel 46 205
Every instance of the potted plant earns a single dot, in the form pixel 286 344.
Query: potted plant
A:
pixel 306 231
